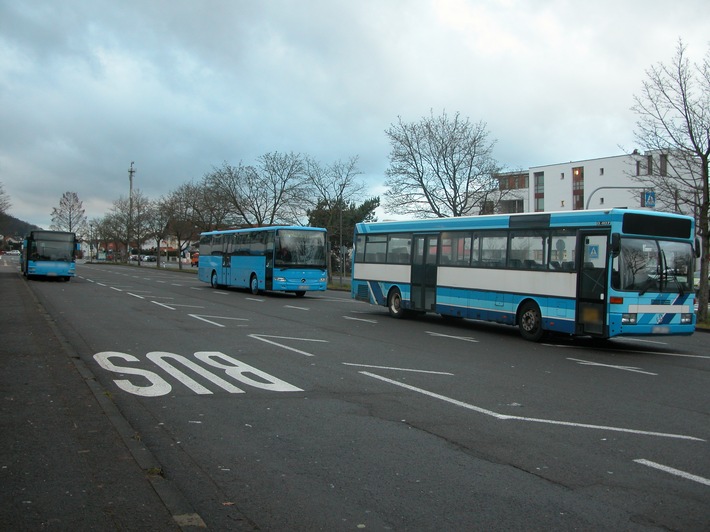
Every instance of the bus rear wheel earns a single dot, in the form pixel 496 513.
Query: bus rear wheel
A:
pixel 254 284
pixel 530 322
pixel 394 304
pixel 213 280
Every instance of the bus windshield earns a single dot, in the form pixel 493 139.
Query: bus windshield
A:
pixel 51 250
pixel 646 264
pixel 300 248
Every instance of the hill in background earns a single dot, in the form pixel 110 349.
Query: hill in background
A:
pixel 12 227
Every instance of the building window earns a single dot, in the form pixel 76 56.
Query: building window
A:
pixel 664 165
pixel 539 178
pixel 578 188
pixel 601 171
pixel 649 162
pixel 638 167
pixel 562 175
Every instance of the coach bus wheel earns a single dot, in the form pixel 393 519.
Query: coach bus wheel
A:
pixel 254 284
pixel 213 280
pixel 394 304
pixel 530 322
pixel 300 293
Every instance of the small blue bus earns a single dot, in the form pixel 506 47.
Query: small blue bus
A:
pixel 603 273
pixel 50 254
pixel 277 258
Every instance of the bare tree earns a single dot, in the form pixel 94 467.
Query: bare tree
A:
pixel 4 200
pixel 177 207
pixel 262 194
pixel 141 220
pixel 158 227
pixel 674 118
pixel 69 215
pixel 441 167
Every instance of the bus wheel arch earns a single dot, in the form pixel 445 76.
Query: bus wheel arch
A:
pixel 213 280
pixel 394 303
pixel 529 319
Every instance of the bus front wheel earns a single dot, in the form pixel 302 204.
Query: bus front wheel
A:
pixel 254 284
pixel 394 304
pixel 213 280
pixel 530 322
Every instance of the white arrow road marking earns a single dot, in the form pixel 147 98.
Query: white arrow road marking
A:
pixel 624 368
pixel 204 318
pixel 263 338
pixel 529 419
pixel 464 338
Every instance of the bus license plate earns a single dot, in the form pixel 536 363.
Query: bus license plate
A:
pixel 660 329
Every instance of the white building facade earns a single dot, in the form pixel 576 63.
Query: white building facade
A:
pixel 602 183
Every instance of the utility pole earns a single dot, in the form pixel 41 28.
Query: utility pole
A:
pixel 131 171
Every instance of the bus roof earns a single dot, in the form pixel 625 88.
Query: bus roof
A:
pixel 538 220
pixel 264 228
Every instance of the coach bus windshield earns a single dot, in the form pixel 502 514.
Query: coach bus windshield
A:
pixel 300 248
pixel 649 265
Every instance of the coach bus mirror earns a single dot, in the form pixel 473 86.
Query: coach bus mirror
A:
pixel 615 244
pixel 697 247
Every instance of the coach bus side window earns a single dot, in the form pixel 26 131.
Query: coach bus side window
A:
pixel 456 249
pixel 399 249
pixel 494 246
pixel 376 248
pixel 562 249
pixel 527 250
pixel 360 248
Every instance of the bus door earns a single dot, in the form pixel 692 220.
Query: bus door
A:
pixel 423 275
pixel 228 250
pixel 592 281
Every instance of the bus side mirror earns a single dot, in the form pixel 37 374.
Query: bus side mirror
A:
pixel 615 244
pixel 697 247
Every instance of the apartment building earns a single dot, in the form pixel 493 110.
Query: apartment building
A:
pixel 587 184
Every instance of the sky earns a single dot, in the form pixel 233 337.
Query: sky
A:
pixel 178 87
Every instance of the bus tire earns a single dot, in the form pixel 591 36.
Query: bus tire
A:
pixel 300 293
pixel 530 322
pixel 254 284
pixel 213 280
pixel 394 304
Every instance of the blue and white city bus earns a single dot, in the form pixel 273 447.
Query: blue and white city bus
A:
pixel 49 254
pixel 279 258
pixel 605 273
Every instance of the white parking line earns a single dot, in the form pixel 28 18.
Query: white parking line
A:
pixel 359 319
pixel 529 419
pixel 673 471
pixel 623 368
pixel 398 369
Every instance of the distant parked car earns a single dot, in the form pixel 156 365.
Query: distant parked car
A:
pixel 195 259
pixel 13 252
pixel 148 258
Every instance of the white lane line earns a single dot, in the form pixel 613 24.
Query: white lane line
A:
pixel 188 306
pixel 640 340
pixel 630 351
pixel 623 368
pixel 297 308
pixel 254 299
pixel 204 318
pixel 529 419
pixel 100 284
pixel 673 471
pixel 398 369
pixel 464 338
pixel 135 295
pixel 359 319
pixel 163 305
pixel 116 289
pixel 263 338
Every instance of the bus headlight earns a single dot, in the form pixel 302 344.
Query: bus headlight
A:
pixel 686 318
pixel 628 319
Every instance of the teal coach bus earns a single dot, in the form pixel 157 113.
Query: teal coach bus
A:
pixel 278 258
pixel 50 254
pixel 600 273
